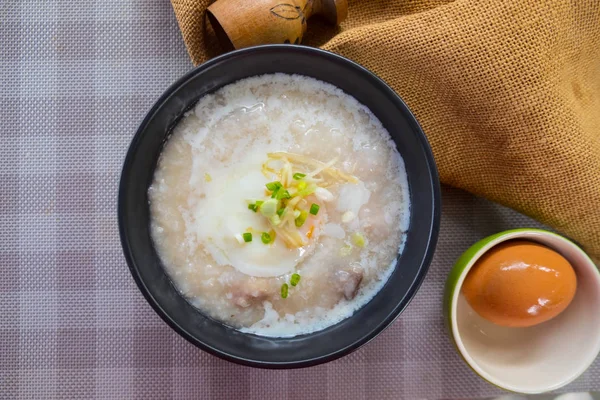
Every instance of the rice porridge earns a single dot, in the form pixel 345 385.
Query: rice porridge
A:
pixel 279 205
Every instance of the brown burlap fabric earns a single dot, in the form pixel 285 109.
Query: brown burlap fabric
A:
pixel 507 91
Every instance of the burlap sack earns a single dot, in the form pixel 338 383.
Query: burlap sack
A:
pixel 507 91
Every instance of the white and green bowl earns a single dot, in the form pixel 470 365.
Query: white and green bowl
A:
pixel 527 360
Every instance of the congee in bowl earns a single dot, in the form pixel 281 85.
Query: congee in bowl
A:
pixel 279 205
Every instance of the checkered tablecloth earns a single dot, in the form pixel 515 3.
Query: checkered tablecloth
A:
pixel 76 78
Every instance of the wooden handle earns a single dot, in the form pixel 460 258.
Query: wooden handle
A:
pixel 243 23
pixel 334 11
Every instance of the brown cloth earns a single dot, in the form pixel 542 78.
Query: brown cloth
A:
pixel 507 91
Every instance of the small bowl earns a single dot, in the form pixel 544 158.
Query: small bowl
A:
pixel 528 360
pixel 365 323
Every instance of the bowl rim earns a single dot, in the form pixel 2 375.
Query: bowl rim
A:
pixel 457 277
pixel 429 246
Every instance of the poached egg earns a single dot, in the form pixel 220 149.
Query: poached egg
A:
pixel 222 213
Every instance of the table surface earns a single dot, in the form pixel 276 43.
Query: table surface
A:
pixel 76 79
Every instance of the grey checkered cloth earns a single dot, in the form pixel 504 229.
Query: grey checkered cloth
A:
pixel 76 78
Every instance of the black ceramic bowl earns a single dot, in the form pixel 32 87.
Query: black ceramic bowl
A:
pixel 221 340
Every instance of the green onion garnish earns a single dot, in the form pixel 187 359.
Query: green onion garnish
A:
pixel 247 237
pixel 282 194
pixel 297 176
pixel 269 208
pixel 295 279
pixel 255 206
pixel 284 290
pixel 346 250
pixel 301 219
pixel 275 220
pixel 358 239
pixel 273 186
pixel 314 209
pixel 280 211
pixel 308 190
pixel 265 237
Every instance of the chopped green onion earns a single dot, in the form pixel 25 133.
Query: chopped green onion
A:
pixel 302 185
pixel 301 219
pixel 358 239
pixel 284 290
pixel 346 250
pixel 309 190
pixel 255 206
pixel 265 237
pixel 247 237
pixel 269 208
pixel 297 176
pixel 275 220
pixel 314 209
pixel 273 186
pixel 282 194
pixel 295 279
pixel 281 211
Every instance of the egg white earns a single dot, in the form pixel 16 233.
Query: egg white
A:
pixel 224 213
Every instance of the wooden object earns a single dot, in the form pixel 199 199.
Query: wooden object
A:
pixel 244 23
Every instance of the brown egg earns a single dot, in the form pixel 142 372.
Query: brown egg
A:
pixel 520 283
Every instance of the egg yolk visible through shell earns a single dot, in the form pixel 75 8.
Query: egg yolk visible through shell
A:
pixel 520 284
